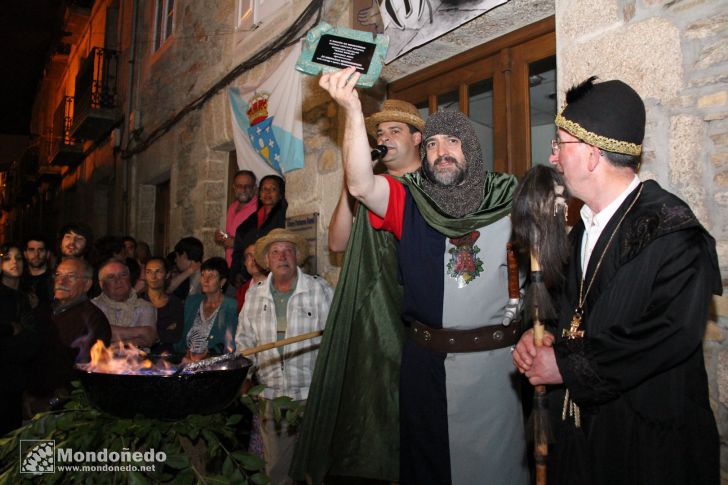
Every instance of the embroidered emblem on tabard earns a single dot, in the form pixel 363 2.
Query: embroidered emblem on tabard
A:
pixel 464 264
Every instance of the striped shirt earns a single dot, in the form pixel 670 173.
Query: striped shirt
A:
pixel 287 374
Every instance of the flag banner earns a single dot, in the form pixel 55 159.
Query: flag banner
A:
pixel 411 23
pixel 267 120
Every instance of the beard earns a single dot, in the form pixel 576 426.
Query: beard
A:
pixel 36 264
pixel 69 252
pixel 448 178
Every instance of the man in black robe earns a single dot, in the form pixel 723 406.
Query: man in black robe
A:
pixel 629 391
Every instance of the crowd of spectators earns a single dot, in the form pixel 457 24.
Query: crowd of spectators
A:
pixel 57 301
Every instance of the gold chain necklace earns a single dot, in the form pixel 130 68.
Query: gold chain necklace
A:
pixel 570 407
pixel 574 331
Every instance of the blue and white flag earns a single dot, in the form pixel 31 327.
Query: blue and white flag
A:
pixel 267 121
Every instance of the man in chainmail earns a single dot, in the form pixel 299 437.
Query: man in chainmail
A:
pixel 460 414
pixel 458 190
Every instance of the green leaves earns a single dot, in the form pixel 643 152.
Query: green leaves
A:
pixel 234 419
pixel 260 479
pixel 136 478
pixel 285 408
pixel 249 461
pixel 176 461
pixel 218 442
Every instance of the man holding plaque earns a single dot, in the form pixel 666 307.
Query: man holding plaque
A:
pixel 460 413
pixel 630 396
pixel 354 391
pixel 399 128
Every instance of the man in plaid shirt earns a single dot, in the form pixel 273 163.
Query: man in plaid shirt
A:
pixel 287 304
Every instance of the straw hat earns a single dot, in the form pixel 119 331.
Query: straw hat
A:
pixel 395 110
pixel 280 235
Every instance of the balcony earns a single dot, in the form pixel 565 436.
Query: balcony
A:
pixel 63 149
pixel 96 111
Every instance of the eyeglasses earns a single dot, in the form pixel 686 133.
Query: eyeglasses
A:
pixel 555 145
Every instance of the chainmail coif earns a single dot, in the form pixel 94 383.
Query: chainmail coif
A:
pixel 465 198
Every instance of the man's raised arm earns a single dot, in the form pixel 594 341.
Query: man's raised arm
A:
pixel 341 221
pixel 372 190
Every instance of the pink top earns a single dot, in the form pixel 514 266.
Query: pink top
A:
pixel 234 219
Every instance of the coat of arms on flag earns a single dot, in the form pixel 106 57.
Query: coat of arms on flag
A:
pixel 267 120
pixel 261 133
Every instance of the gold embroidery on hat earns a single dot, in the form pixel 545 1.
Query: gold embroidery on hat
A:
pixel 609 144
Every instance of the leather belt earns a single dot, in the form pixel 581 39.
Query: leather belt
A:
pixel 490 337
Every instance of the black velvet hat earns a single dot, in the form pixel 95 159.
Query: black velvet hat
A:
pixel 609 115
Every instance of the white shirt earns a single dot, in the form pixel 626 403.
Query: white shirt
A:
pixel 287 374
pixel 594 224
pixel 134 312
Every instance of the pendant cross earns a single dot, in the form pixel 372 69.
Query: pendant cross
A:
pixel 574 332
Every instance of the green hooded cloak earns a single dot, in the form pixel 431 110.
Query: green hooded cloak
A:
pixel 351 423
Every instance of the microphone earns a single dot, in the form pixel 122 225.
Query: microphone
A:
pixel 379 152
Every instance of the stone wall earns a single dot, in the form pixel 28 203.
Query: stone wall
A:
pixel 193 154
pixel 675 54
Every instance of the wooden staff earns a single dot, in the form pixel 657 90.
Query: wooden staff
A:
pixel 281 343
pixel 221 359
pixel 540 413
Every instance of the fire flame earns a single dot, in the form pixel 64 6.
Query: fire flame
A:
pixel 123 358
pixel 229 341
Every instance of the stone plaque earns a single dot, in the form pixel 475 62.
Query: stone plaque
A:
pixel 328 49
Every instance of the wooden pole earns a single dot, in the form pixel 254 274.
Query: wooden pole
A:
pixel 540 441
pixel 281 343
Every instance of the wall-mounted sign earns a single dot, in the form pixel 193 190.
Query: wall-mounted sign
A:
pixel 306 225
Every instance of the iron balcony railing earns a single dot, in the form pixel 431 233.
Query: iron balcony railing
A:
pixel 64 149
pixel 96 81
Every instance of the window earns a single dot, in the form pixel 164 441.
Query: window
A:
pixel 163 22
pixel 507 89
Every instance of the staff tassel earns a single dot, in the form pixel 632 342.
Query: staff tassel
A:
pixel 539 227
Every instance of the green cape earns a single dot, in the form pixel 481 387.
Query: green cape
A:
pixel 351 423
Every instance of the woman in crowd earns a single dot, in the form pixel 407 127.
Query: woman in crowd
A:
pixel 257 275
pixel 272 206
pixel 12 264
pixel 12 270
pixel 211 318
pixel 170 309
pixel 18 337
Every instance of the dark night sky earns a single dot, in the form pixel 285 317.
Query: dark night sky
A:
pixel 28 31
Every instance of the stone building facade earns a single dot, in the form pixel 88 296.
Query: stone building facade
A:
pixel 674 52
